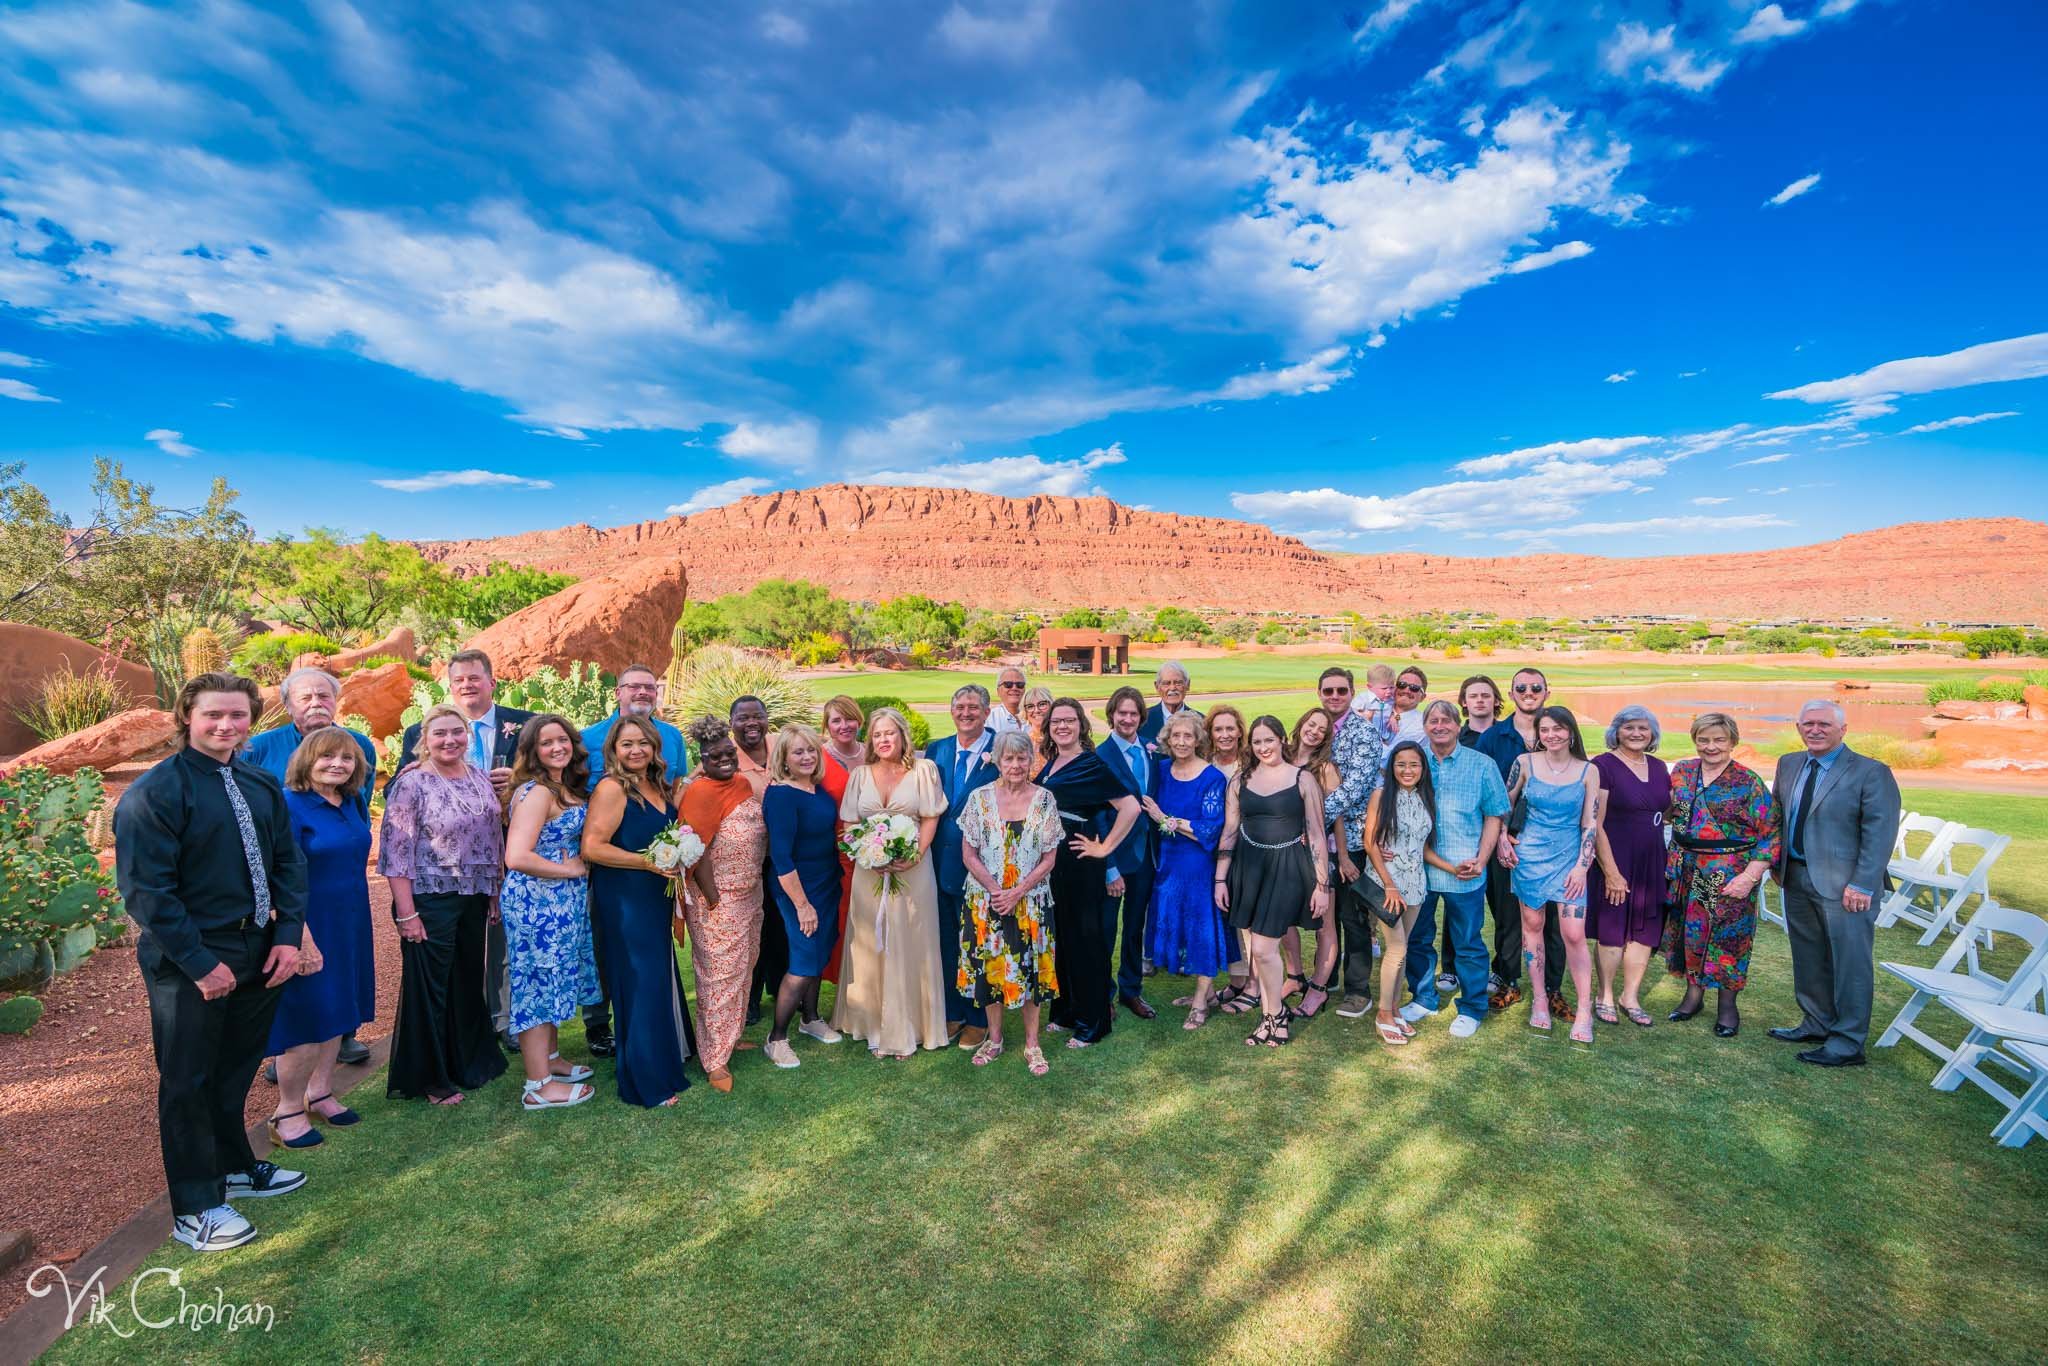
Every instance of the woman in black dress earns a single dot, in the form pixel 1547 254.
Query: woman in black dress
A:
pixel 1088 791
pixel 1271 876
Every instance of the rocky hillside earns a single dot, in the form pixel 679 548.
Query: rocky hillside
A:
pixel 987 551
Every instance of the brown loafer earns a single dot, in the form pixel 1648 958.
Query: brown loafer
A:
pixel 1559 1005
pixel 972 1037
pixel 1505 997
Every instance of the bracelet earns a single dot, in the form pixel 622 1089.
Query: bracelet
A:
pixel 401 919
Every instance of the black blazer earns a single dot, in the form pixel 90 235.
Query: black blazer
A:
pixel 505 744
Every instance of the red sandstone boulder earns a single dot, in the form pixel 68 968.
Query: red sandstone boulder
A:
pixel 131 735
pixel 613 619
pixel 399 645
pixel 29 654
pixel 1961 709
pixel 2037 703
pixel 380 696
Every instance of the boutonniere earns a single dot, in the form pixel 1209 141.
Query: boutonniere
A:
pixel 509 727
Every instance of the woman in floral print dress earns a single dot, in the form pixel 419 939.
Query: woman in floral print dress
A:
pixel 1725 827
pixel 1010 835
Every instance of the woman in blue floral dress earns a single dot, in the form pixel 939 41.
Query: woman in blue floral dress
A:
pixel 545 906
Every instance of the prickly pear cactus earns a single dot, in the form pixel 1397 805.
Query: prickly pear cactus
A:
pixel 51 882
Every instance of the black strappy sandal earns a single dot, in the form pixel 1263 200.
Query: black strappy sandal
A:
pixel 1237 1000
pixel 1306 1012
pixel 1288 987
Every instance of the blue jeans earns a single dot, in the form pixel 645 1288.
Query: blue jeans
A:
pixel 1465 916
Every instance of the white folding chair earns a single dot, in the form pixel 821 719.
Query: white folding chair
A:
pixel 1950 888
pixel 1993 1029
pixel 1959 976
pixel 2030 1115
pixel 1908 820
pixel 1910 872
pixel 1911 823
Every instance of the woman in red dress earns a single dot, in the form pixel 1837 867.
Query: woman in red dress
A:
pixel 844 752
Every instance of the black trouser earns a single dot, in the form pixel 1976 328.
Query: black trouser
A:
pixel 771 964
pixel 1355 922
pixel 959 1010
pixel 497 976
pixel 1507 933
pixel 207 1053
pixel 1137 904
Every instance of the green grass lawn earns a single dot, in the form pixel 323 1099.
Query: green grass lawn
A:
pixel 1663 1195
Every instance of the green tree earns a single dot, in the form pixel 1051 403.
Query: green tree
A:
pixel 1024 630
pixel 126 564
pixel 1661 638
pixel 702 623
pixel 503 589
pixel 1078 619
pixel 326 583
pixel 901 622
pixel 1423 632
pixel 1997 640
pixel 1179 623
pixel 775 612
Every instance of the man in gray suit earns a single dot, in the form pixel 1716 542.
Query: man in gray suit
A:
pixel 1841 815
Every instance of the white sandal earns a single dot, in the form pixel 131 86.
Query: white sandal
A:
pixel 532 1099
pixel 577 1071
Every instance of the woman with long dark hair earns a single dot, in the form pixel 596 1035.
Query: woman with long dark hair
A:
pixel 1560 790
pixel 1089 795
pixel 1311 749
pixel 1398 826
pixel 1273 865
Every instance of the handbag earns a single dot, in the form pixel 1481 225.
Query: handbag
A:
pixel 1374 896
pixel 1518 815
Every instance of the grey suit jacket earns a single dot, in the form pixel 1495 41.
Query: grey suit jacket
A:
pixel 1849 831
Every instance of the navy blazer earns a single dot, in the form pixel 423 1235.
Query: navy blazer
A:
pixel 1141 844
pixel 504 743
pixel 1155 717
pixel 947 863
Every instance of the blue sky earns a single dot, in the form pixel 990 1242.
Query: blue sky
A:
pixel 1623 278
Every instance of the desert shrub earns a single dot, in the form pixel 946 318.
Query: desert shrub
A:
pixel 1951 690
pixel 1079 619
pixel 419 673
pixel 923 656
pixel 68 702
pixel 1273 633
pixel 2037 645
pixel 2002 690
pixel 815 649
pixel 1662 639
pixel 920 729
pixel 991 653
pixel 1454 651
pixel 1863 647
pixel 706 683
pixel 1996 640
pixel 2037 678
pixel 268 658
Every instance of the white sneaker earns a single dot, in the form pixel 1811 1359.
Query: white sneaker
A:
pixel 214 1230
pixel 1464 1027
pixel 1415 1012
pixel 819 1030
pixel 265 1178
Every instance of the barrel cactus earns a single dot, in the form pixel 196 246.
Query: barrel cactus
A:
pixel 204 652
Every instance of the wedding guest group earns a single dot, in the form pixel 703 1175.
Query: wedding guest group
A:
pixel 536 871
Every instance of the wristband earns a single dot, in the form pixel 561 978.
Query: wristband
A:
pixel 401 919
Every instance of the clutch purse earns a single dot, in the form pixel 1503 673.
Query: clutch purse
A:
pixel 1375 898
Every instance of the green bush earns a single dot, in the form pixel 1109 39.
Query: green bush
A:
pixel 2002 690
pixel 920 729
pixel 268 658
pixel 18 1014
pixel 1273 633
pixel 1662 639
pixel 815 649
pixel 419 673
pixel 1079 619
pixel 67 702
pixel 1997 640
pixel 923 656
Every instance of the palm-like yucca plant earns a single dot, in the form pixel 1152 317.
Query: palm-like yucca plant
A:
pixel 706 683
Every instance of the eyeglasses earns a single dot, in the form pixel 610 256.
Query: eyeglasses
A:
pixel 1407 687
pixel 639 687
pixel 1526 688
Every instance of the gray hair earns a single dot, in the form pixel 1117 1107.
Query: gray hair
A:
pixel 1633 712
pixel 1841 717
pixel 284 690
pixel 1171 666
pixel 1009 669
pixel 1007 741
pixel 1449 707
pixel 973 690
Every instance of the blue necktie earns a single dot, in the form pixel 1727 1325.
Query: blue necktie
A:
pixel 1137 777
pixel 480 746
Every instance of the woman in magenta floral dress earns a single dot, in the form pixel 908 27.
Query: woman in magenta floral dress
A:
pixel 1725 828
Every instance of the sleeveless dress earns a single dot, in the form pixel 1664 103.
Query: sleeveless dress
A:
pixel 1185 933
pixel 650 1018
pixel 1272 874
pixel 723 942
pixel 548 955
pixel 892 983
pixel 1007 959
pixel 1084 791
pixel 1549 847
pixel 1634 825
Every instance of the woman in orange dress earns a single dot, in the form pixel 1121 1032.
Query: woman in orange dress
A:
pixel 844 753
pixel 724 916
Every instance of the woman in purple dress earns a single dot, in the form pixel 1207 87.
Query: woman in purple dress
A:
pixel 1626 898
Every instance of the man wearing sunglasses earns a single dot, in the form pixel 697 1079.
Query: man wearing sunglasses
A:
pixel 1358 749
pixel 1409 690
pixel 1508 740
pixel 1008 712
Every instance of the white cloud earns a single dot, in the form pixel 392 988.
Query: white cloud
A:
pixel 1012 476
pixel 788 30
pixel 1793 191
pixel 1005 33
pixel 1767 24
pixel 461 479
pixel 1553 491
pixel 1710 502
pixel 24 391
pixel 14 360
pixel 718 495
pixel 1945 423
pixel 169 442
pixel 1654 526
pixel 1834 8
pixel 1315 375
pixel 1638 51
pixel 1620 377
pixel 1384 20
pixel 1588 448
pixel 1537 260
pixel 1775 458
pixel 787 443
pixel 1772 493
pixel 1989 363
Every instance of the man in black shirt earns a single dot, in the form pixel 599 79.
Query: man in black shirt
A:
pixel 216 883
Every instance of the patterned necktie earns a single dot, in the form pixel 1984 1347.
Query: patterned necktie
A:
pixel 251 850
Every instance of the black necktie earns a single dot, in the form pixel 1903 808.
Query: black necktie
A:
pixel 1797 848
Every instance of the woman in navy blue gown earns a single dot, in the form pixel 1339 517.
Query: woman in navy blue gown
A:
pixel 635 916
pixel 803 851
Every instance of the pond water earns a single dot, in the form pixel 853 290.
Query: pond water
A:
pixel 1760 709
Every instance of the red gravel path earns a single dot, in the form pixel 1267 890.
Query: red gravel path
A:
pixel 78 1140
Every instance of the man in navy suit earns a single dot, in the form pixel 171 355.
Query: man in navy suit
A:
pixel 1130 866
pixel 962 761
pixel 1171 682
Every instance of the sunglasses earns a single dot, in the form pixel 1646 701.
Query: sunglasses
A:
pixel 1336 692
pixel 1006 687
pixel 1525 688
pixel 1407 687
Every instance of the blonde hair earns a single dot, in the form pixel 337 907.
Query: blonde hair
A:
pixel 1715 720
pixel 895 718
pixel 778 753
pixel 1380 673
pixel 436 712
pixel 1185 720
pixel 1041 693
pixel 298 773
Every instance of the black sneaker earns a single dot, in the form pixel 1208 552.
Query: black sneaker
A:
pixel 352 1051
pixel 214 1230
pixel 265 1178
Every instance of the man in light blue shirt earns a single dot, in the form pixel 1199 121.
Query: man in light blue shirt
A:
pixel 636 693
pixel 1471 801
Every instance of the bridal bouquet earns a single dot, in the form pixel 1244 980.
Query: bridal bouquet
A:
pixel 673 851
pixel 877 842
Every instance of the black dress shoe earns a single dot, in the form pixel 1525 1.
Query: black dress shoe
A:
pixel 601 1045
pixel 352 1051
pixel 1678 1015
pixel 1788 1034
pixel 510 1041
pixel 1722 1031
pixel 1820 1057
pixel 1138 1007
